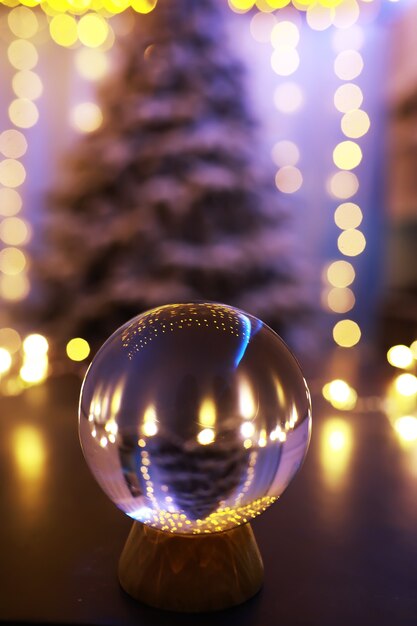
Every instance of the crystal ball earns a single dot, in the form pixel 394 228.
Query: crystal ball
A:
pixel 194 418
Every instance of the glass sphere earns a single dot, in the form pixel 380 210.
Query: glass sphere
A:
pixel 194 417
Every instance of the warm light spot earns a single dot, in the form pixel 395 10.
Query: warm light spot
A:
pixel 319 17
pixel 348 64
pixel 285 153
pixel 336 443
pixel 406 384
pixel 247 444
pixel 348 97
pixel 247 429
pixel 413 349
pixel 23 113
pixel 150 427
pixel 288 97
pixel 35 345
pixel 103 441
pixel 27 84
pixel 10 339
pixel 29 452
pixel 63 29
pixel 285 60
pixel 14 288
pixel 78 349
pixel 340 394
pixel 400 356
pixel 205 436
pixel 247 403
pixel 12 173
pixel 406 427
pixel 143 6
pixel 351 242
pixel 346 333
pixel 285 34
pixel 241 6
pixel 13 144
pixel 348 215
pixel 86 117
pixel 340 300
pixel 343 185
pixel 22 22
pixel 14 231
pixel 347 155
pixel 10 202
pixel 351 38
pixel 92 64
pixel 288 179
pixel 5 360
pixel 207 413
pixel 22 54
pixel 12 261
pixel 261 26
pixel 355 123
pixel 340 274
pixel 346 14
pixel 262 441
pixel 34 370
pixel 92 30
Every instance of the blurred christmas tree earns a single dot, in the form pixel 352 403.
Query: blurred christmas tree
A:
pixel 166 201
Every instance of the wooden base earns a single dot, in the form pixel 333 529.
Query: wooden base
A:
pixel 191 573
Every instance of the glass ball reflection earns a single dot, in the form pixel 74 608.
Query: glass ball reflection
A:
pixel 194 417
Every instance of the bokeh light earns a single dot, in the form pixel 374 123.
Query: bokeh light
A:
pixel 343 185
pixel 348 215
pixel 14 231
pixel 336 444
pixel 352 38
pixel 285 34
pixel 10 202
pixel 10 339
pixel 340 394
pixel 12 173
pixel 12 261
pixel 288 97
pixel 23 22
pixel 347 155
pixel 355 123
pixel 346 14
pixel 92 30
pixel 27 84
pixel 346 333
pixel 144 6
pixel 348 97
pixel 13 144
pixel 22 54
pixel 406 427
pixel 351 242
pixel 14 288
pixel 340 274
pixel 23 113
pixel 288 179
pixel 91 63
pixel 348 64
pixel 406 384
pixel 340 300
pixel 77 349
pixel 241 5
pixel 319 17
pixel 35 345
pixel 285 60
pixel 5 361
pixel 285 153
pixel 261 26
pixel 86 117
pixel 63 29
pixel 400 356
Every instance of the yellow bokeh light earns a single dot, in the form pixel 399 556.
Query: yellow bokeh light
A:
pixel 241 6
pixel 86 117
pixel 288 179
pixel 92 30
pixel 5 361
pixel 22 54
pixel 35 345
pixel 207 413
pixel 14 288
pixel 285 34
pixel 247 429
pixel 355 123
pixel 285 60
pixel 285 153
pixel 348 215
pixel 406 427
pixel 27 84
pixel 348 64
pixel 413 349
pixel 288 97
pixel 23 113
pixel 340 394
pixel 12 261
pixel 406 384
pixel 14 231
pixel 13 144
pixel 319 17
pixel 347 155
pixel 346 333
pixel 78 349
pixel 92 64
pixel 12 173
pixel 348 97
pixel 343 185
pixel 10 202
pixel 351 242
pixel 30 452
pixel 10 339
pixel 23 22
pixel 400 356
pixel 34 371
pixel 340 300
pixel 143 6
pixel 63 29
pixel 340 274
pixel 336 443
pixel 261 26
pixel 206 436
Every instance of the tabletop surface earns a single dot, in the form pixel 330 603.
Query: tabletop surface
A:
pixel 339 548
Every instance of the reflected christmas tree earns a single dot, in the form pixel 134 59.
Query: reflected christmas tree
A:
pixel 167 201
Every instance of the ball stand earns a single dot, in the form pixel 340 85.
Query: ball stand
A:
pixel 191 573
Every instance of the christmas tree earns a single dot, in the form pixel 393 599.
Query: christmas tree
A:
pixel 166 201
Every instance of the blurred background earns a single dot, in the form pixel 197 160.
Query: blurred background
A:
pixel 256 153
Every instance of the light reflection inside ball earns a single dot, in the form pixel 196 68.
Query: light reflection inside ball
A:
pixel 194 417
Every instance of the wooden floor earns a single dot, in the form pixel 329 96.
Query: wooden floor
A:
pixel 339 548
